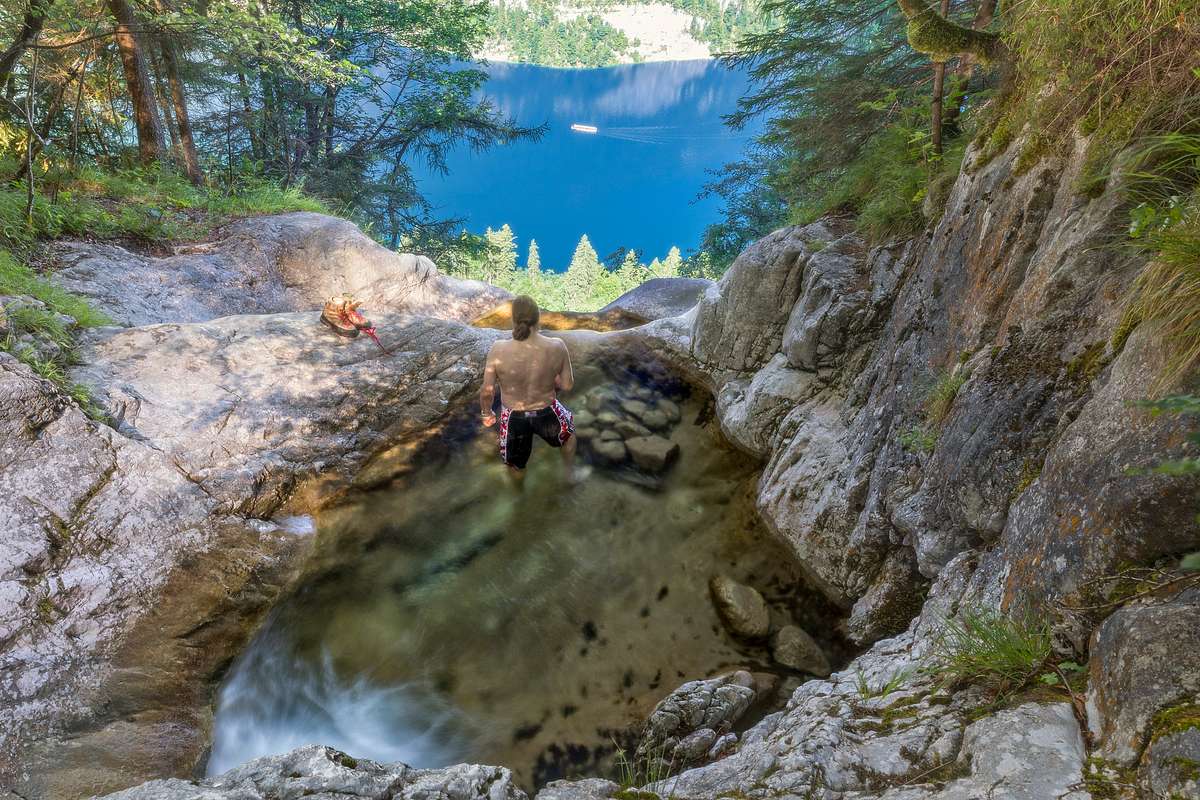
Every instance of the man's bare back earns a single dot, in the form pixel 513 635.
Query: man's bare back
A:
pixel 530 370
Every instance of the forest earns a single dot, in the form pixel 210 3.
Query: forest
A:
pixel 154 120
pixel 574 33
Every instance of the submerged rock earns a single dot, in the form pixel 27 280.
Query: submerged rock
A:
pixel 652 453
pixel 792 647
pixel 610 451
pixel 740 607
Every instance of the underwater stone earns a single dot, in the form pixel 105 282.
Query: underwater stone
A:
pixel 629 429
pixel 609 451
pixel 653 453
pixel 740 607
pixel 792 647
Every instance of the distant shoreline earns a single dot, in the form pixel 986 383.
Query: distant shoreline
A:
pixel 508 61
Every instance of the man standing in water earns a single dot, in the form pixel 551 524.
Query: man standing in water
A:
pixel 531 370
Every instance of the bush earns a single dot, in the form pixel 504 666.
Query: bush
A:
pixel 991 650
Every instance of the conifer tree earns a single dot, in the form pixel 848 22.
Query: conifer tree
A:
pixel 583 277
pixel 631 273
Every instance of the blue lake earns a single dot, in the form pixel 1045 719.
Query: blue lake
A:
pixel 632 184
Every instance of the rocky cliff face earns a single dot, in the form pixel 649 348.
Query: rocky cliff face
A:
pixel 946 426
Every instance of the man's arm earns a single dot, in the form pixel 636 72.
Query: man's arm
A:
pixel 487 392
pixel 565 379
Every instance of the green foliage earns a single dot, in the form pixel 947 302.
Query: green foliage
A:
pixel 534 33
pixel 1119 68
pixel 918 439
pixel 1163 180
pixel 892 684
pixel 17 278
pixel 573 33
pixel 939 398
pixel 634 772
pixel 585 285
pixel 989 649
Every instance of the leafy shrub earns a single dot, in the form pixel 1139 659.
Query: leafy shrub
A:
pixel 991 650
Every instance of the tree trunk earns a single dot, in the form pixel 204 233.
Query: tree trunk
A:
pixel 931 33
pixel 939 95
pixel 31 26
pixel 137 79
pixel 984 13
pixel 191 162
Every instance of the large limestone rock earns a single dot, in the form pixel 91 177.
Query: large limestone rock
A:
pixel 316 771
pixel 130 574
pixel 842 295
pixel 245 405
pixel 286 262
pixel 1145 659
pixel 660 297
pixel 740 321
pixel 750 410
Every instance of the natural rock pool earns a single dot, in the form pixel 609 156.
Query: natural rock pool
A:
pixel 449 617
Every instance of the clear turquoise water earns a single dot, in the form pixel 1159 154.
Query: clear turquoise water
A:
pixel 633 184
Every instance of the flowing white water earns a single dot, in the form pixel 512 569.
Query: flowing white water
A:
pixel 274 702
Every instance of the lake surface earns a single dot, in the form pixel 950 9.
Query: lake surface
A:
pixel 632 184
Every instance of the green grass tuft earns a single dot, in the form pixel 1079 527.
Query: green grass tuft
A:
pixel 991 650
pixel 939 398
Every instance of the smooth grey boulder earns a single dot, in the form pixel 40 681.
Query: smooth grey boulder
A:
pixel 739 323
pixel 835 302
pixel 750 410
pixel 792 647
pixel 1144 659
pixel 586 789
pixel 740 607
pixel 652 453
pixel 246 404
pixel 317 771
pixel 660 297
pixel 686 724
pixel 260 265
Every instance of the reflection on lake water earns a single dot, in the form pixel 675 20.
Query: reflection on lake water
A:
pixel 634 184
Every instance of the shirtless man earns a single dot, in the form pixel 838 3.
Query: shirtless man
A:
pixel 531 370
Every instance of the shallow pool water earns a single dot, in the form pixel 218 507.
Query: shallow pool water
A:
pixel 449 616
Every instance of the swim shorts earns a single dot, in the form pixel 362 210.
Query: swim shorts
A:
pixel 517 429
